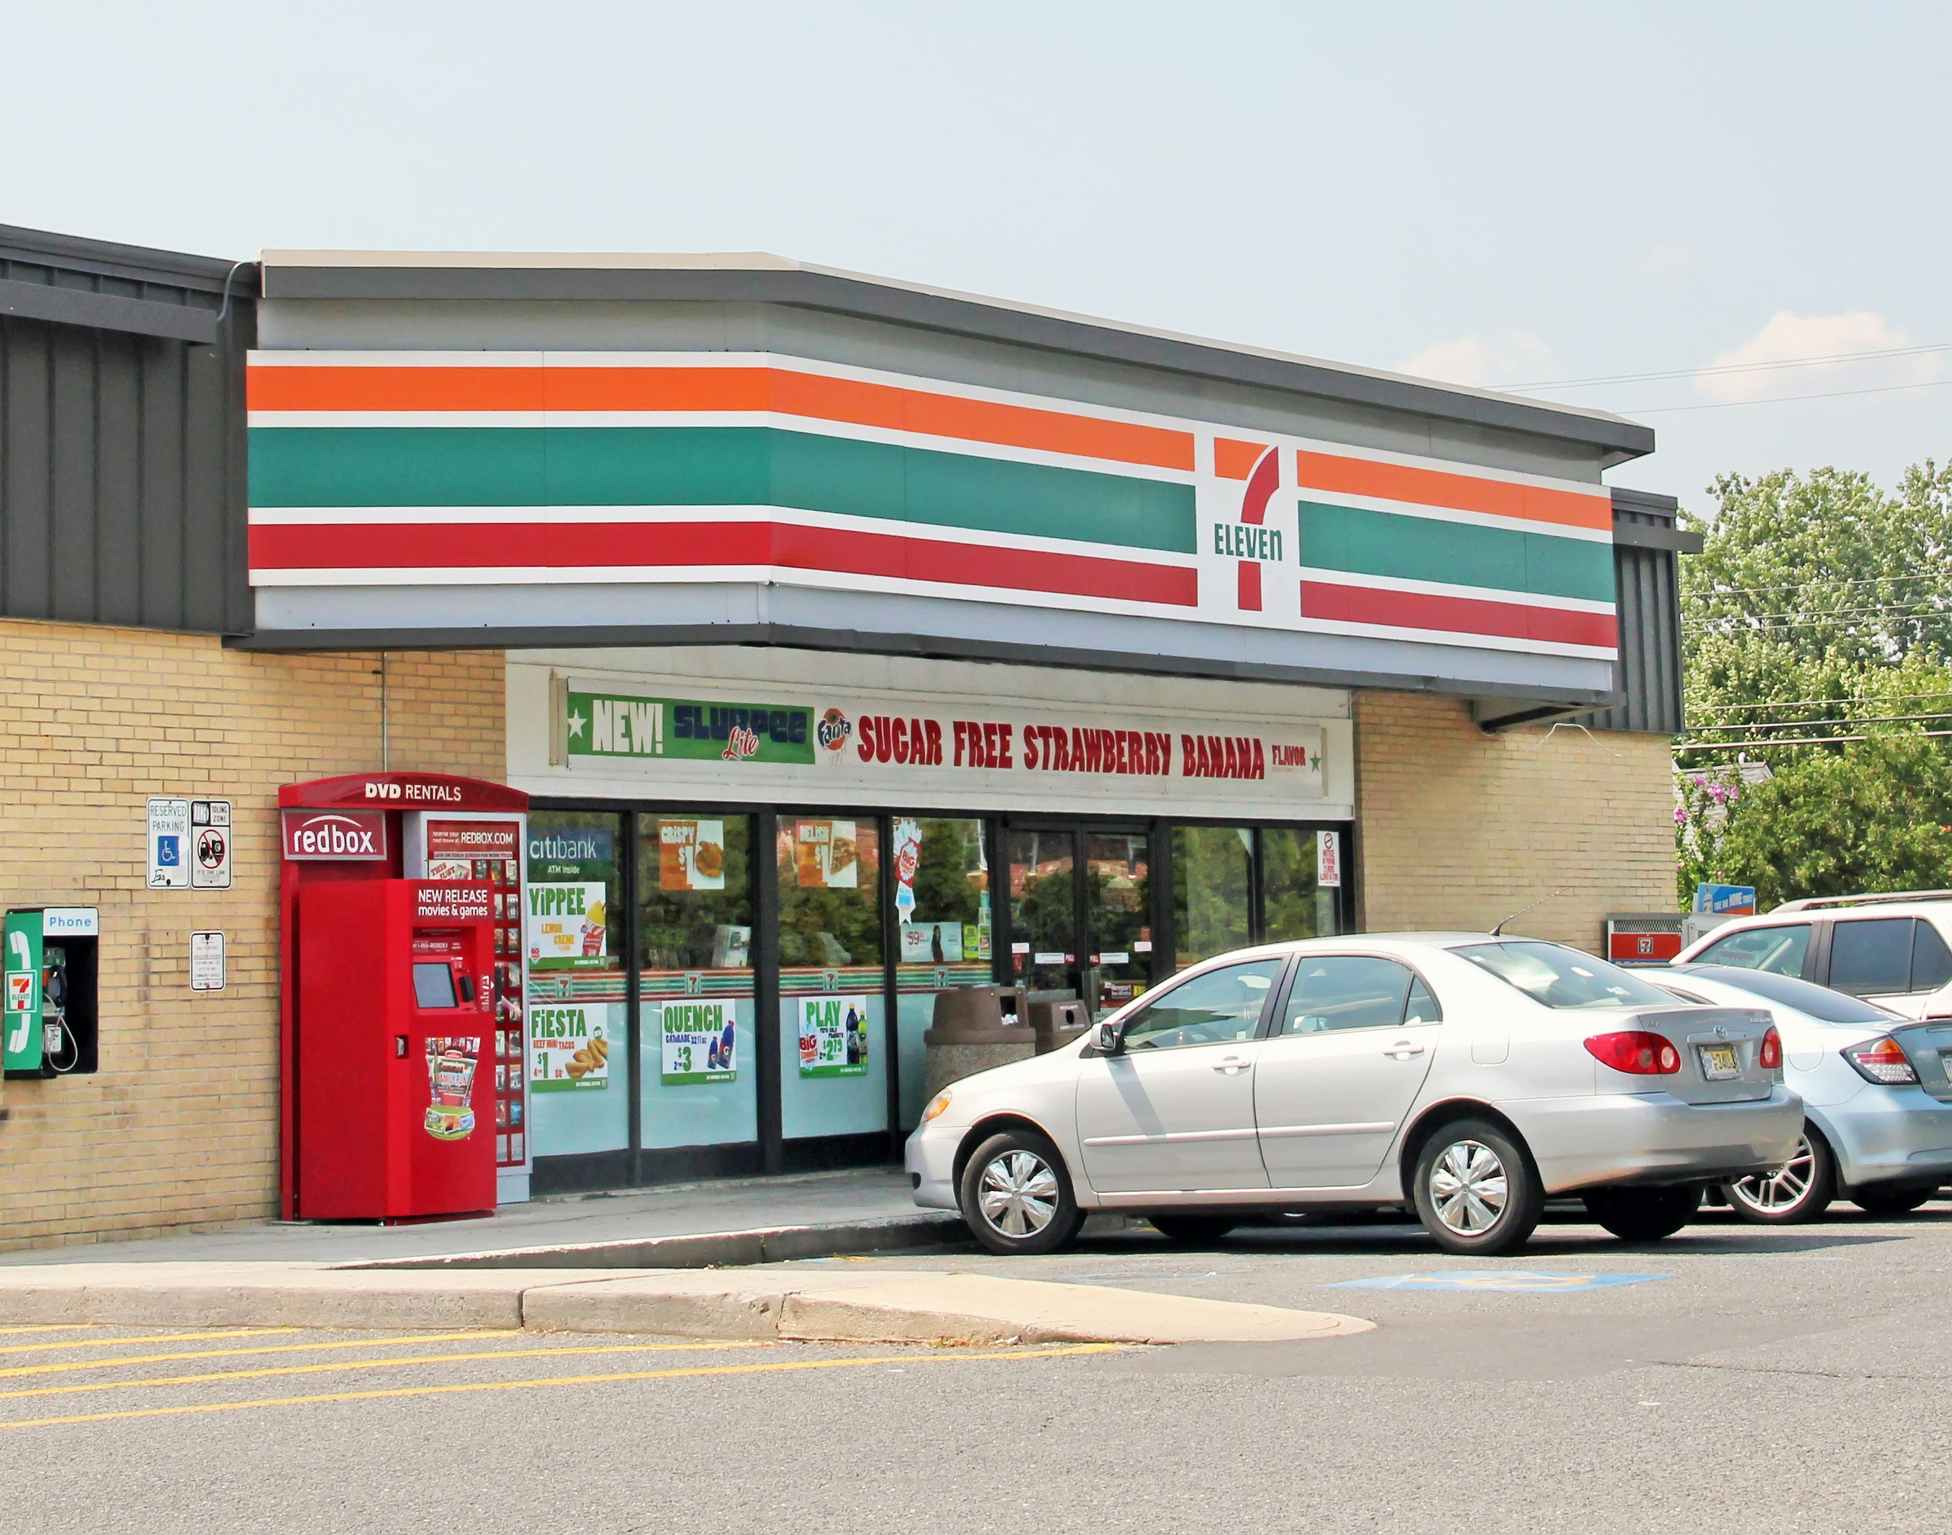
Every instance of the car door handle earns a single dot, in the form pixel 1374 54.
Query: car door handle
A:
pixel 1404 1050
pixel 1230 1065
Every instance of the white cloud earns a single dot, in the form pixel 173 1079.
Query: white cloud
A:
pixel 1788 336
pixel 1493 361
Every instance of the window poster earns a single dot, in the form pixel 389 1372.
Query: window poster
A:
pixel 825 855
pixel 567 926
pixel 833 1036
pixel 697 1041
pixel 691 855
pixel 569 1048
pixel 936 942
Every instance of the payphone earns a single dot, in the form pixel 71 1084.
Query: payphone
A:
pixel 396 987
pixel 48 1016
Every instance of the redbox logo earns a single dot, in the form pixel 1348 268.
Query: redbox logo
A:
pixel 335 834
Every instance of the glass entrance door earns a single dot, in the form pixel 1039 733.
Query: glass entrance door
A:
pixel 1081 914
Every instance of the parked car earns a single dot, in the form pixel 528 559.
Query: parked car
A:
pixel 1877 1098
pixel 1894 950
pixel 1465 1075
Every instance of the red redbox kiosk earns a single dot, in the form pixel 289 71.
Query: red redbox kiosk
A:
pixel 388 878
pixel 396 993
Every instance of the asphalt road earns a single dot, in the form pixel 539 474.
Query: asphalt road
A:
pixel 1734 1379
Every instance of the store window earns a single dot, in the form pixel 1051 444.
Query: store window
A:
pixel 697 1081
pixel 1294 904
pixel 942 913
pixel 1213 876
pixel 578 1054
pixel 834 1041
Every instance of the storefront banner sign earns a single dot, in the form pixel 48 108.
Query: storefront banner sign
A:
pixel 825 855
pixel 567 926
pixel 569 1049
pixel 936 942
pixel 696 1041
pixel 691 855
pixel 627 725
pixel 1328 859
pixel 833 1036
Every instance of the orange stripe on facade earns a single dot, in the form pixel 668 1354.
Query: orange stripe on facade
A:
pixel 1462 492
pixel 809 395
pixel 1234 460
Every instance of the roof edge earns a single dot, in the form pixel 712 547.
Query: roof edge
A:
pixel 112 258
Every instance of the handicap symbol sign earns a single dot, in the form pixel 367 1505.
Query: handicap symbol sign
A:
pixel 169 851
pixel 1504 1281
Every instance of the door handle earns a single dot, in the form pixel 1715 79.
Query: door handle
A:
pixel 1230 1065
pixel 1404 1050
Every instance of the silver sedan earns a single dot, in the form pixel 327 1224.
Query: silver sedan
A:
pixel 1876 1087
pixel 1466 1075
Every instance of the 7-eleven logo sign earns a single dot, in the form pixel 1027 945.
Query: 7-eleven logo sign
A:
pixel 20 991
pixel 1249 545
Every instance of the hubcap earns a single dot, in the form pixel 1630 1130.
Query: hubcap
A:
pixel 1018 1194
pixel 1468 1189
pixel 1784 1189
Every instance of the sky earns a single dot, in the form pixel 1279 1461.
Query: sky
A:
pixel 1496 194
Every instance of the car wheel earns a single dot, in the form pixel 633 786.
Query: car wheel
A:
pixel 1800 1190
pixel 1881 1199
pixel 1192 1228
pixel 1016 1196
pixel 1643 1215
pixel 1475 1190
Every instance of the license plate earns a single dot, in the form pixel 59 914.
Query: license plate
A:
pixel 1718 1063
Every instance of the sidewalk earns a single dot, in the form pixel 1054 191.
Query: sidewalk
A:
pixel 730 1221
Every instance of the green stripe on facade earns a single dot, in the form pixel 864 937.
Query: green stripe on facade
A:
pixel 712 466
pixel 1362 541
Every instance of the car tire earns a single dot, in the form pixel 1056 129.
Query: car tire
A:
pixel 1800 1190
pixel 1016 1197
pixel 1881 1199
pixel 1192 1229
pixel 1470 1168
pixel 1643 1215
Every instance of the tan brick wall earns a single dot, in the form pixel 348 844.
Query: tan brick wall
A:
pixel 1457 827
pixel 180 1126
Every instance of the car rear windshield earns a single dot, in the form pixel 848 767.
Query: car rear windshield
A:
pixel 1805 996
pixel 1561 977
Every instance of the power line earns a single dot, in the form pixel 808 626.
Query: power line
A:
pixel 1923 608
pixel 1833 703
pixel 1734 367
pixel 1867 719
pixel 1731 746
pixel 1782 399
pixel 1798 586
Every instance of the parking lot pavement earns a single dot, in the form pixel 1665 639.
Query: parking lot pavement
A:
pixel 1733 1378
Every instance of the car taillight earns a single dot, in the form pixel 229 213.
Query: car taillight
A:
pixel 1770 1056
pixel 1881 1060
pixel 1636 1052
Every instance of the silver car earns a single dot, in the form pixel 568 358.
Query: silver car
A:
pixel 1875 1088
pixel 1466 1075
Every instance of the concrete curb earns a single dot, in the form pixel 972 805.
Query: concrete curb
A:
pixel 873 1306
pixel 712 1249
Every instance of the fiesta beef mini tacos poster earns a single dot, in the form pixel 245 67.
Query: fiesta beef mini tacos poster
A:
pixel 569 1048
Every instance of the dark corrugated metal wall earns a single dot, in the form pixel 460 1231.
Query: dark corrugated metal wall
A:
pixel 1650 624
pixel 122 487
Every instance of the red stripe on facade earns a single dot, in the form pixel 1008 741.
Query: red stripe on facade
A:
pixel 1249 589
pixel 568 546
pixel 1457 615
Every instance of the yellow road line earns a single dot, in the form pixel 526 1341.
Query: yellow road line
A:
pixel 52 1327
pixel 64 1366
pixel 457 1387
pixel 380 1364
pixel 166 1337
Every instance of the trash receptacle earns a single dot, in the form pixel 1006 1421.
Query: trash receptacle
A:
pixel 968 1034
pixel 1057 1021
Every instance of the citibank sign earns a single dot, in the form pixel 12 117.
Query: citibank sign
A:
pixel 349 835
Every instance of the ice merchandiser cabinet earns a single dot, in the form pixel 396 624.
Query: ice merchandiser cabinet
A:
pixel 395 1095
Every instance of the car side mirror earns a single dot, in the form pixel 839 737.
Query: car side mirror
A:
pixel 1108 1041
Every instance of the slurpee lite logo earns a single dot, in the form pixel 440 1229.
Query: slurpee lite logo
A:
pixel 741 745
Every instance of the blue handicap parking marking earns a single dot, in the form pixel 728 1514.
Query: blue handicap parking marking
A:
pixel 1505 1281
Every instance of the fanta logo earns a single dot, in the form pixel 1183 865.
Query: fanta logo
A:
pixel 835 728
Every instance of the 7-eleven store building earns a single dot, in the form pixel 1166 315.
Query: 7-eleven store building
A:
pixel 864 641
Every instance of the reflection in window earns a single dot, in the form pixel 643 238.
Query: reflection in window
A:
pixel 1213 867
pixel 829 891
pixel 694 889
pixel 1221 1007
pixel 1295 906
